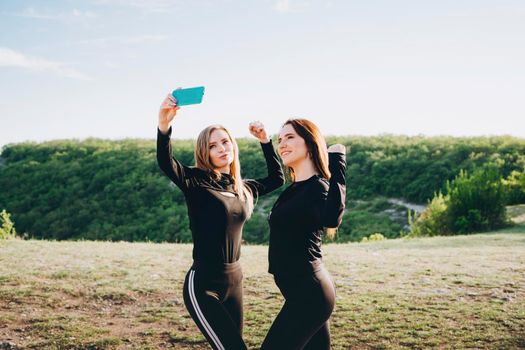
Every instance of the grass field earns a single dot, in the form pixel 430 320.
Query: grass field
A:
pixel 465 292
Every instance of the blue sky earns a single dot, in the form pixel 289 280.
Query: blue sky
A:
pixel 100 68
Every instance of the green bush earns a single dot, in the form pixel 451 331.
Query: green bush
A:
pixel 374 237
pixel 473 203
pixel 515 187
pixel 7 229
pixel 433 221
pixel 476 202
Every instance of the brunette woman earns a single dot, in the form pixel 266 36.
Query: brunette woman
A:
pixel 312 205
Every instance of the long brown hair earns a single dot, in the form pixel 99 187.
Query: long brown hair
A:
pixel 202 161
pixel 316 146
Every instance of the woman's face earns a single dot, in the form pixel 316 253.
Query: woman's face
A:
pixel 292 147
pixel 221 149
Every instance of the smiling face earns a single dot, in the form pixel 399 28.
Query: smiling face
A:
pixel 292 147
pixel 220 150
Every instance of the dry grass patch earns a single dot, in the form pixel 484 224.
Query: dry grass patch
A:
pixel 443 292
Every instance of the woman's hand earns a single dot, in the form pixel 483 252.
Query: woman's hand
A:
pixel 168 110
pixel 257 129
pixel 337 148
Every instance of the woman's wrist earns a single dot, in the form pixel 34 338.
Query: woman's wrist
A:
pixel 164 128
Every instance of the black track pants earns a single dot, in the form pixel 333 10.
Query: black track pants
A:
pixel 214 301
pixel 302 323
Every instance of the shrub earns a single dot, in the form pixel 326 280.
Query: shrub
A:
pixel 374 237
pixel 515 186
pixel 473 203
pixel 433 220
pixel 476 202
pixel 7 229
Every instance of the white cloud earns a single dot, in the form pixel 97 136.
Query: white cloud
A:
pixel 12 58
pixel 74 14
pixel 112 65
pixel 144 39
pixel 147 5
pixel 286 6
pixel 131 40
pixel 106 42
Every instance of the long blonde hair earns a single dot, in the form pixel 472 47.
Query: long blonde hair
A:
pixel 316 146
pixel 202 161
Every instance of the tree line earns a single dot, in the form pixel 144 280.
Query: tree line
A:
pixel 114 190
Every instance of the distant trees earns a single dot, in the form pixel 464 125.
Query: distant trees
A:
pixel 113 190
pixel 415 168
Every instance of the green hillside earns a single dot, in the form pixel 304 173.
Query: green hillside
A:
pixel 113 190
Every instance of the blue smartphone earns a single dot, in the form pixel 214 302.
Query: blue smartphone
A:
pixel 189 96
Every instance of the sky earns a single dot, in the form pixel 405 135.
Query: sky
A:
pixel 101 68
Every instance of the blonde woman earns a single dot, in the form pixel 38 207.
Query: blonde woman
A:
pixel 219 202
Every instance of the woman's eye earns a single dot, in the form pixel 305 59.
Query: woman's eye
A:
pixel 212 146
